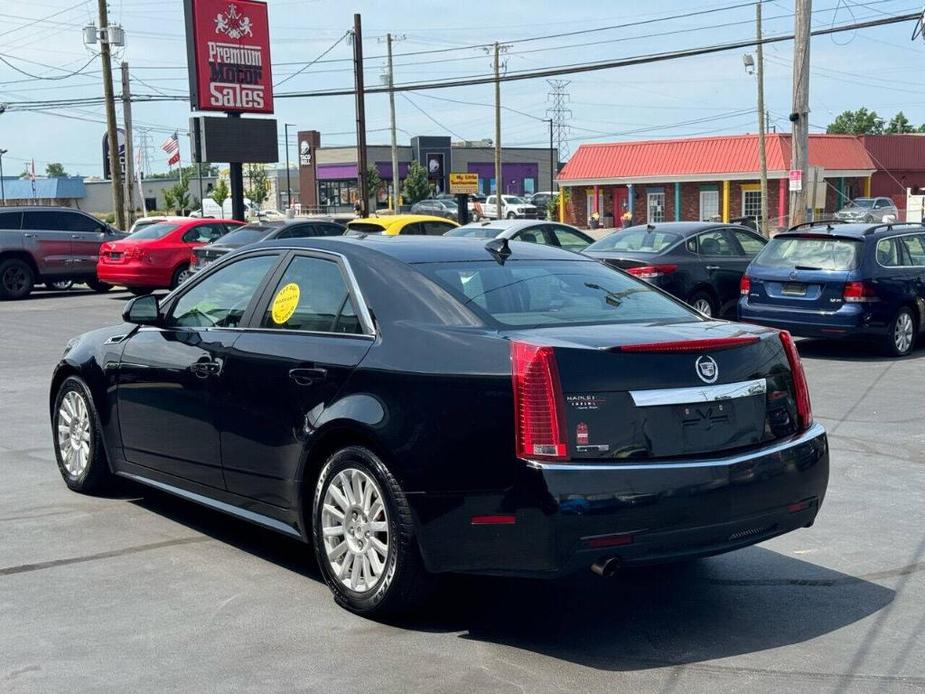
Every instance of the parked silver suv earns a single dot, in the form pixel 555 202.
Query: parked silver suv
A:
pixel 49 244
pixel 868 210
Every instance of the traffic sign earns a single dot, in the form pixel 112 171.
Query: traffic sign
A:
pixel 464 183
pixel 796 180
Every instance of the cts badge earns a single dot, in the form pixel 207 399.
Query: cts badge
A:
pixel 706 369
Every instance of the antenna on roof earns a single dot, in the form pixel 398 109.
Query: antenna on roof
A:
pixel 499 249
pixel 650 227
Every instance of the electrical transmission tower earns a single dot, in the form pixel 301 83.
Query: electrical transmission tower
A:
pixel 560 114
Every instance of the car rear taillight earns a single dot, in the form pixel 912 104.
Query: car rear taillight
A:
pixel 134 253
pixel 800 387
pixel 859 292
pixel 648 272
pixel 539 409
pixel 745 285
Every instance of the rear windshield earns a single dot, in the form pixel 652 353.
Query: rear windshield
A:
pixel 811 253
pixel 153 231
pixel 474 232
pixel 636 240
pixel 364 228
pixel 538 293
pixel 249 233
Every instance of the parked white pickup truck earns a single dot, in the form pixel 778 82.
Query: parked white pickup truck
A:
pixel 513 208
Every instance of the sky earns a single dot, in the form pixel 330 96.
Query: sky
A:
pixel 878 68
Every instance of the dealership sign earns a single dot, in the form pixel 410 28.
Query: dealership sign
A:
pixel 228 55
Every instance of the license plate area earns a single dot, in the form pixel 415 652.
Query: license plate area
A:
pixel 793 289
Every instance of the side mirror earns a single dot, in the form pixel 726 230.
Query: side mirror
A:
pixel 142 310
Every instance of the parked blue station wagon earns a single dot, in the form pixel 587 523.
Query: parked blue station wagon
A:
pixel 830 280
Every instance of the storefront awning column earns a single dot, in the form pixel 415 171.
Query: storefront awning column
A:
pixel 677 201
pixel 726 186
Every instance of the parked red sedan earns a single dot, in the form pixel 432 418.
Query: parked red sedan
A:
pixel 157 256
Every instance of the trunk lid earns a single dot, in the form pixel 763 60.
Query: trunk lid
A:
pixel 721 387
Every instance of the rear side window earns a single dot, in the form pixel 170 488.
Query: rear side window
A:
pixel 811 253
pixel 48 220
pixel 750 243
pixel 474 232
pixel 717 243
pixel 435 228
pixel 312 295
pixel 248 234
pixel 636 240
pixel 154 231
pixel 532 235
pixel 568 239
pixel 888 252
pixel 530 293
pixel 297 231
pixel 204 233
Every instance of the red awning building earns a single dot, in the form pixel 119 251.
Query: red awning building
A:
pixel 708 178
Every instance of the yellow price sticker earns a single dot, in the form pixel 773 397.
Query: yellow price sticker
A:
pixel 284 303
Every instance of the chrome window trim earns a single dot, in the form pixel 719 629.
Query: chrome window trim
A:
pixel 685 396
pixel 896 237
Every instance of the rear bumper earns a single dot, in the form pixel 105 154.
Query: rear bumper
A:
pixel 133 275
pixel 850 320
pixel 568 515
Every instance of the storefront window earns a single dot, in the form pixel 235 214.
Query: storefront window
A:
pixel 655 208
pixel 338 193
pixel 751 203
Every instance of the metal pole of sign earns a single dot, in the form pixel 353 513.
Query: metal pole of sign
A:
pixel 2 191
pixel 288 177
pixel 360 114
pixel 236 181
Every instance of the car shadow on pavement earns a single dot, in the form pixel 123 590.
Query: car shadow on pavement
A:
pixel 852 350
pixel 747 601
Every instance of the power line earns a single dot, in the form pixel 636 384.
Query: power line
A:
pixel 309 64
pixel 431 118
pixel 42 77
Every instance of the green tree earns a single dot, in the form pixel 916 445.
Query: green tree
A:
pixel 220 192
pixel 259 188
pixel 373 180
pixel 416 186
pixel 55 170
pixel 860 122
pixel 170 200
pixel 191 171
pixel 899 124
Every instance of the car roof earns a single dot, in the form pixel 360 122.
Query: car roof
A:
pixel 42 208
pixel 507 225
pixel 424 249
pixel 854 231
pixel 390 219
pixel 685 228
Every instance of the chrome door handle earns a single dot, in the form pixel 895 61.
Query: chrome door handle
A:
pixel 29 236
pixel 204 369
pixel 712 267
pixel 75 236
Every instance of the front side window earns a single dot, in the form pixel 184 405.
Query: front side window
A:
pixel 655 208
pixel 532 235
pixel 915 249
pixel 534 293
pixel 750 243
pixel 312 296
pixel 568 239
pixel 435 228
pixel 221 299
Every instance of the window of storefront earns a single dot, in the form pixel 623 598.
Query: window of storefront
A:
pixel 341 193
pixel 751 203
pixel 709 205
pixel 655 207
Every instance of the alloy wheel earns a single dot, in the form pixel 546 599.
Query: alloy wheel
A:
pixel 182 276
pixel 355 528
pixel 15 280
pixel 703 306
pixel 903 332
pixel 73 423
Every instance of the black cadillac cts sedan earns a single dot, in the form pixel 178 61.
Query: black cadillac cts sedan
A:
pixel 411 406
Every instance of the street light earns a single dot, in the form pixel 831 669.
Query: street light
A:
pixel 748 60
pixel 288 179
pixel 2 191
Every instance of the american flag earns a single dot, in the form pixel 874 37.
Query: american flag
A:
pixel 172 147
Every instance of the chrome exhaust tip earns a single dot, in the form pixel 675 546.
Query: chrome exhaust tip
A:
pixel 606 567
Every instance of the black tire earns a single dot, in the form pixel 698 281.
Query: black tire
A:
pixel 99 287
pixel 95 477
pixel 899 341
pixel 707 304
pixel 403 582
pixel 512 215
pixel 16 279
pixel 180 275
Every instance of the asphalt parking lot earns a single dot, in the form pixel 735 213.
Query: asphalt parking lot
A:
pixel 141 592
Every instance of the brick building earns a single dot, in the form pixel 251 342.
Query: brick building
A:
pixel 708 178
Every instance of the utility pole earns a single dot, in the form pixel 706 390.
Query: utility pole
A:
pixel 360 114
pixel 499 180
pixel 115 169
pixel 129 154
pixel 2 190
pixel 552 159
pixel 762 152
pixel 799 117
pixel 396 191
pixel 288 177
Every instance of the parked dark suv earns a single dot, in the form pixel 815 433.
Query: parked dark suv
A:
pixel 49 244
pixel 841 281
pixel 698 262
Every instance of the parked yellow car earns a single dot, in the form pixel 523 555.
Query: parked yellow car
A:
pixel 405 224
